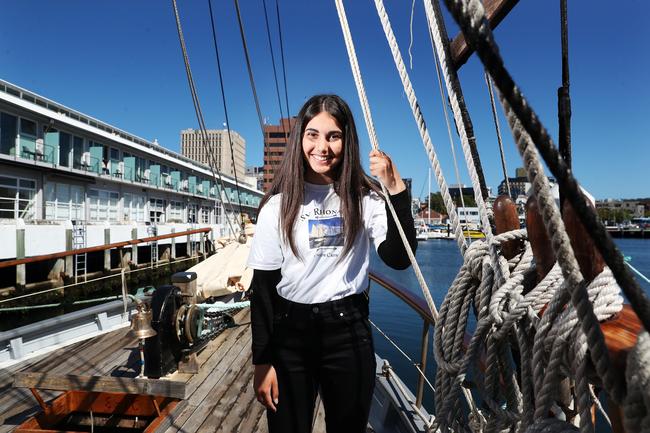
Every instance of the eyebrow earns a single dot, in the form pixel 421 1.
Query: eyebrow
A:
pixel 328 132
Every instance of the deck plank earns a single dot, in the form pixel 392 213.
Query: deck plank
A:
pixel 228 412
pixel 220 396
pixel 208 395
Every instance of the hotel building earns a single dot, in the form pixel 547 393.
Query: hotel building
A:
pixel 59 167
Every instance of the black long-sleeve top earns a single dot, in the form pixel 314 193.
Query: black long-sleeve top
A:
pixel 263 286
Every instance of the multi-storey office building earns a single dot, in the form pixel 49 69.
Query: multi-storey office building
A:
pixel 214 147
pixel 276 138
pixel 59 165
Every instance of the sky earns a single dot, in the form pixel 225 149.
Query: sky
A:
pixel 120 61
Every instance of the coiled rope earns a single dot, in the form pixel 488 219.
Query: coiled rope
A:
pixel 470 15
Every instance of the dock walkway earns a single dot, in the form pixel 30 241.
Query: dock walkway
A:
pixel 219 398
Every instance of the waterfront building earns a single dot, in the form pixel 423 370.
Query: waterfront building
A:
pixel 275 144
pixel 255 174
pixel 468 216
pixel 214 147
pixel 60 168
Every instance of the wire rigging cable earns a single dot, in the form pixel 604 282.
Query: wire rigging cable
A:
pixel 199 115
pixel 249 68
pixel 275 74
pixel 284 69
pixel 470 15
pixel 488 81
pixel 225 111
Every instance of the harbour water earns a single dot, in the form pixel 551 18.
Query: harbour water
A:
pixel 440 261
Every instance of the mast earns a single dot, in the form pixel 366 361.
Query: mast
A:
pixel 429 200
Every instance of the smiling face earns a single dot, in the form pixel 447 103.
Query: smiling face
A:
pixel 322 148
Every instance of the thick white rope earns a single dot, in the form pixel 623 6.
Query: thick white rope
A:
pixel 454 98
pixel 443 98
pixel 560 345
pixel 565 256
pixel 636 407
pixel 356 72
pixel 424 133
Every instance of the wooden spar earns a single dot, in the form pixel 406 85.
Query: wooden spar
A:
pixel 539 240
pixel 9 263
pixel 495 11
pixel 506 219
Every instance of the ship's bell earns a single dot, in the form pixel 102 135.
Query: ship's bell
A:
pixel 141 324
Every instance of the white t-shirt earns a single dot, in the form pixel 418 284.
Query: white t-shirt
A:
pixel 318 234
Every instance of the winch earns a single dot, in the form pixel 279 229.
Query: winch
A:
pixel 183 327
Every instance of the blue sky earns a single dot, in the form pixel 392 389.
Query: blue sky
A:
pixel 120 61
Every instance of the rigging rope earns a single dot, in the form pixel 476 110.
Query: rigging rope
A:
pixel 284 69
pixel 497 127
pixel 275 74
pixel 250 69
pixel 458 106
pixel 447 122
pixel 424 133
pixel 565 255
pixel 356 72
pixel 470 15
pixel 225 110
pixel 199 115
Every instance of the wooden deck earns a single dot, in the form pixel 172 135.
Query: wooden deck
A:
pixel 219 398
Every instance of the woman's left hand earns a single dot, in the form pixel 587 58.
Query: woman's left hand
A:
pixel 382 167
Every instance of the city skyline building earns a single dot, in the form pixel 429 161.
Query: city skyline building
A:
pixel 275 144
pixel 194 147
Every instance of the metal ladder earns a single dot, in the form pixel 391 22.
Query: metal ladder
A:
pixel 79 242
pixel 152 230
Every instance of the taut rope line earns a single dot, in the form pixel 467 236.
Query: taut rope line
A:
pixel 424 133
pixel 356 72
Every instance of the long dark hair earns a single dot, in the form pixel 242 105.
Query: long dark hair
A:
pixel 351 183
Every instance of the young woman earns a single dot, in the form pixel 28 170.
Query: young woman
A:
pixel 310 256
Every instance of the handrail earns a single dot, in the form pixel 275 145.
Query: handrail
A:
pixel 61 254
pixel 420 306
pixel 412 300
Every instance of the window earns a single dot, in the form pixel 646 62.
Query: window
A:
pixel 205 215
pixel 102 205
pixel 65 146
pixel 176 211
pixel 157 210
pixel 17 198
pixel 133 209
pixel 278 134
pixel 192 213
pixel 64 202
pixel 78 160
pixel 8 134
pixel 28 127
pixel 217 213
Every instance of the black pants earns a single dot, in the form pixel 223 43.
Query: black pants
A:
pixel 325 346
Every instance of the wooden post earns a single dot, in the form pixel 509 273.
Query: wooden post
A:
pixel 21 270
pixel 424 348
pixel 134 248
pixel 539 240
pixel 507 219
pixel 107 252
pixel 69 263
pixel 173 252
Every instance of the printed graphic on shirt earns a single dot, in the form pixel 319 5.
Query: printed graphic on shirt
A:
pixel 326 232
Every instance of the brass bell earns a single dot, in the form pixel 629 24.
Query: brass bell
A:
pixel 141 324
